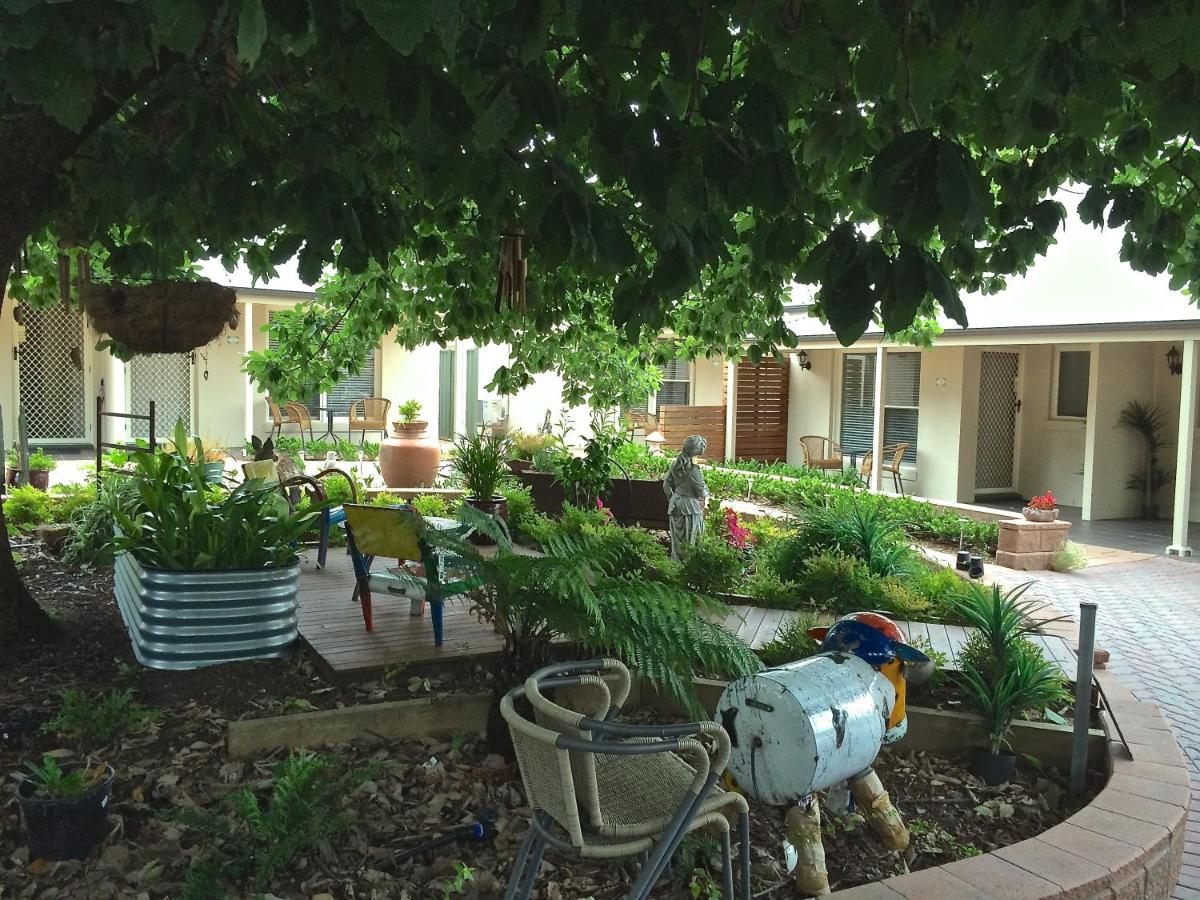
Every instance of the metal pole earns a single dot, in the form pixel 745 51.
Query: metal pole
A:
pixel 1083 697
pixel 99 438
pixel 22 448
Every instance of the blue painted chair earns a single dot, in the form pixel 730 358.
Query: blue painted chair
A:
pixel 331 517
pixel 400 533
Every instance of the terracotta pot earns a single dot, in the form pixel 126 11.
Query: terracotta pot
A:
pixel 497 507
pixel 410 458
pixel 517 466
pixel 12 477
pixel 1039 515
pixel 40 479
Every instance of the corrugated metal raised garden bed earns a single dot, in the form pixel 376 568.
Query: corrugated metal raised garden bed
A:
pixel 183 620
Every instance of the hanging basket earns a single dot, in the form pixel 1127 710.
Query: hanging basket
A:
pixel 160 317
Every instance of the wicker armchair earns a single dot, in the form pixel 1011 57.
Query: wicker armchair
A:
pixel 368 414
pixel 276 418
pixel 298 414
pixel 614 790
pixel 893 455
pixel 820 452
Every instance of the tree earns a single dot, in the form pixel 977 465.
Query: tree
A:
pixel 679 162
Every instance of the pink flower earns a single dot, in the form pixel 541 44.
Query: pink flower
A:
pixel 737 535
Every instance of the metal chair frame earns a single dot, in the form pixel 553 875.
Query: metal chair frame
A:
pixel 897 451
pixel 298 414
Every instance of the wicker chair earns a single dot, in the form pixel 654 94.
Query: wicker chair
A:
pixel 820 452
pixel 298 414
pixel 894 454
pixel 368 414
pixel 276 418
pixel 616 790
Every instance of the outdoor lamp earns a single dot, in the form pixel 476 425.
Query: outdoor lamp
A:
pixel 655 441
pixel 1174 365
pixel 803 361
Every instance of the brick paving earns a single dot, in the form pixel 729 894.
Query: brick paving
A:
pixel 1148 618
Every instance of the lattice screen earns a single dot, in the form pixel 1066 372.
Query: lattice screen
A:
pixel 165 378
pixel 997 421
pixel 51 374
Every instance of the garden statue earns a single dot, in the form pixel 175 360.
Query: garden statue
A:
pixel 687 495
pixel 817 725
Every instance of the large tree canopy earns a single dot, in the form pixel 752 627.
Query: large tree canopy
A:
pixel 673 165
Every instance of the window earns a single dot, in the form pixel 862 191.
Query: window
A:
pixel 1072 374
pixel 675 389
pixel 345 391
pixel 902 392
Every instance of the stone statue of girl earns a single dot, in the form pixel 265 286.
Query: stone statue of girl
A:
pixel 687 496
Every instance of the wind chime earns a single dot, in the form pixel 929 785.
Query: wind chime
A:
pixel 513 270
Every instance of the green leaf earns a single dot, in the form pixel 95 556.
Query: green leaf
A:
pixel 252 31
pixel 402 25
pixel 905 289
pixel 1092 206
pixel 495 123
pixel 179 24
pixel 960 191
pixel 903 184
pixel 877 62
pixel 945 292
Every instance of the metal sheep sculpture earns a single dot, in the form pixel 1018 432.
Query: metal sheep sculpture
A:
pixel 817 725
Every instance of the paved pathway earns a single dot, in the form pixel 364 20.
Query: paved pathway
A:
pixel 1148 618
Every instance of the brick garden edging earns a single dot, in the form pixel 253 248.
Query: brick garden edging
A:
pixel 1127 843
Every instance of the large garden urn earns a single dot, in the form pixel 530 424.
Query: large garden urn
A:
pixel 410 457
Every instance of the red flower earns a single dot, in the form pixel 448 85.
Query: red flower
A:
pixel 1043 501
pixel 737 535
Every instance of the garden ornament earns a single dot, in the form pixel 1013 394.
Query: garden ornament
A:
pixel 687 495
pixel 817 725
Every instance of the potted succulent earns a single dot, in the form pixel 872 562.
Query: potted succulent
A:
pixel 40 465
pixel 410 457
pixel 65 807
pixel 1002 672
pixel 480 462
pixel 12 467
pixel 204 575
pixel 1042 508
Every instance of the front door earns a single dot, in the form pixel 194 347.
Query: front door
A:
pixel 165 378
pixel 52 374
pixel 999 404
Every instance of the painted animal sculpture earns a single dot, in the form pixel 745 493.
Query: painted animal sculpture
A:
pixel 818 724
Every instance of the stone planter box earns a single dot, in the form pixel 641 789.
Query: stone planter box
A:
pixel 1027 545
pixel 184 620
pixel 633 501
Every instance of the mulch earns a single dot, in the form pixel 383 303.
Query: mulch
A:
pixel 414 790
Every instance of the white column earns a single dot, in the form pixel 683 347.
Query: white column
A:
pixel 731 368
pixel 1185 444
pixel 248 330
pixel 877 436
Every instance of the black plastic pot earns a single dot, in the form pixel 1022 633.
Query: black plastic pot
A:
pixel 497 508
pixel 975 569
pixel 963 561
pixel 993 768
pixel 65 828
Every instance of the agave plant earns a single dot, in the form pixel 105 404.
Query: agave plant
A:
pixel 1027 681
pixel 1002 618
pixel 1149 423
pixel 860 528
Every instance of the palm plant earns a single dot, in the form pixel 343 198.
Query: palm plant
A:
pixel 580 591
pixel 1148 422
pixel 859 528
pixel 1028 681
pixel 480 460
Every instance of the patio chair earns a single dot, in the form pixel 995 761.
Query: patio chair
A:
pixel 614 790
pixel 399 532
pixel 368 414
pixel 894 453
pixel 820 452
pixel 331 517
pixel 298 414
pixel 276 418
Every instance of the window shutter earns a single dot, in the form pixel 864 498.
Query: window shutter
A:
pixel 676 383
pixel 902 394
pixel 472 391
pixel 353 387
pixel 858 402
pixel 446 395
pixel 1073 372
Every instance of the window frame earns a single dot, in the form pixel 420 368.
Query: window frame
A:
pixel 323 396
pixel 652 398
pixel 869 357
pixel 1055 373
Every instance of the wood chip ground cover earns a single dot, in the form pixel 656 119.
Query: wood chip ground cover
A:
pixel 414 790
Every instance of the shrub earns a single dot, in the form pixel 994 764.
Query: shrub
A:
pixel 408 411
pixel 1068 558
pixel 856 525
pixel 937 585
pixel 791 642
pixel 771 591
pixel 25 507
pixel 711 566
pixel 318 449
pixel 41 461
pixel 431 505
pixel 92 525
pixel 843 584
pixel 637 551
pixel 66 499
pixel 519 499
pixel 99 720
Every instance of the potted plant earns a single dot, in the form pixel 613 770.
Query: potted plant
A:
pixel 1002 672
pixel 410 457
pixel 1148 423
pixel 204 575
pixel 12 467
pixel 65 808
pixel 480 462
pixel 524 447
pixel 40 465
pixel 1042 508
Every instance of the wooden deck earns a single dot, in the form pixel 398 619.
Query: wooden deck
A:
pixel 332 626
